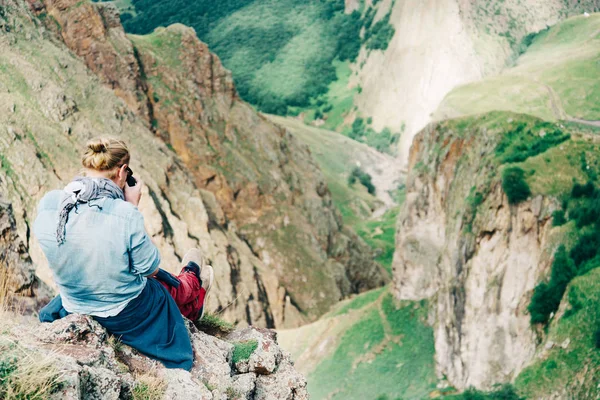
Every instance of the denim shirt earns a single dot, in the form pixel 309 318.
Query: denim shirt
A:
pixel 107 254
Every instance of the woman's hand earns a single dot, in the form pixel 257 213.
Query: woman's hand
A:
pixel 133 194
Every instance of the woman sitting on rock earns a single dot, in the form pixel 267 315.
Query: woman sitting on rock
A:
pixel 106 266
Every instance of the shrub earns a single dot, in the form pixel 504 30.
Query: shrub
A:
pixel 541 305
pixel 379 35
pixel 523 141
pixel 558 218
pixel 546 297
pixel 580 191
pixel 514 185
pixel 126 17
pixel 365 179
pixel 586 248
pixel 505 392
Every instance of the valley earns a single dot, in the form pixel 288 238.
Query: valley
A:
pixel 404 193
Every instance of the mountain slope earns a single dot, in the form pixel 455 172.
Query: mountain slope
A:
pixel 439 46
pixel 372 216
pixel 370 347
pixel 226 180
pixel 555 79
pixel 280 52
pixel 479 232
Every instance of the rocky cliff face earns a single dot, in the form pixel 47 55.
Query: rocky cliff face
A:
pixel 20 287
pixel 461 244
pixel 439 45
pixel 218 176
pixel 83 362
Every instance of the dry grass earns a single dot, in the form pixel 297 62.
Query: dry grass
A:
pixel 7 314
pixel 149 386
pixel 25 374
pixel 5 298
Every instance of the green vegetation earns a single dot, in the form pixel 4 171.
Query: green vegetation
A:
pixel 526 141
pixel 555 79
pixel 377 36
pixel 286 57
pixel 380 234
pixel 574 369
pixel 26 376
pixel 528 40
pixel 361 176
pixel 382 141
pixel 280 54
pixel 243 350
pixel 213 325
pixel 387 353
pixel 583 211
pixel 547 296
pixel 505 392
pixel 360 301
pixel 514 185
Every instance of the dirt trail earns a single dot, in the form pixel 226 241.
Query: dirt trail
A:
pixel 559 111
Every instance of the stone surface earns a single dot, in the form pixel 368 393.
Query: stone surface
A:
pixel 17 272
pixel 91 367
pixel 478 273
pixel 267 356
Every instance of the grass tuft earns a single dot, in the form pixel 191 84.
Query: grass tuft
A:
pixel 243 350
pixel 25 375
pixel 149 386
pixel 212 325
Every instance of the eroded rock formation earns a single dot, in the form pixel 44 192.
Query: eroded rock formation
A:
pixel 477 258
pixel 20 288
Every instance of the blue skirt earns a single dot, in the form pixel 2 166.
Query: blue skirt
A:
pixel 151 324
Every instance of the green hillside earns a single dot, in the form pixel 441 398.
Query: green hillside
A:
pixel 377 348
pixel 555 79
pixel 281 52
pixel 337 157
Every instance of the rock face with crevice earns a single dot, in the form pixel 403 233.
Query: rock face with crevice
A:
pixel 478 261
pixel 91 365
pixel 218 175
pixel 18 281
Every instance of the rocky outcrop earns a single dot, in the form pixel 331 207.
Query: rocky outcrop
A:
pixel 90 364
pixel 476 256
pixel 20 288
pixel 218 175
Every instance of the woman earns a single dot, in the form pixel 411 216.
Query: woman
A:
pixel 105 264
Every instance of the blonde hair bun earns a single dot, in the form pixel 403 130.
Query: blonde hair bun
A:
pixel 105 154
pixel 97 146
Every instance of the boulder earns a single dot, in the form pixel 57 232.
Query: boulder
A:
pixel 93 365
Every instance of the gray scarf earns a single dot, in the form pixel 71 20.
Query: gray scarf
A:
pixel 83 190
